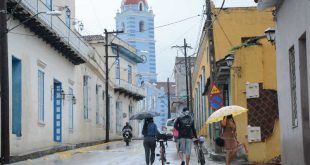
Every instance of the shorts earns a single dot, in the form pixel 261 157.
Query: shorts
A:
pixel 185 146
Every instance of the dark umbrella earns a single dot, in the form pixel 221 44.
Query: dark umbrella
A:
pixel 143 115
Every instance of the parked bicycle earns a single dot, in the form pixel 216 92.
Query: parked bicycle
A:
pixel 162 139
pixel 198 149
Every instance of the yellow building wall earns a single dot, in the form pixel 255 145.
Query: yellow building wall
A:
pixel 201 62
pixel 230 25
pixel 233 23
pixel 255 64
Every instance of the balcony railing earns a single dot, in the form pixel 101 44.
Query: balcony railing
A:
pixel 123 84
pixel 58 26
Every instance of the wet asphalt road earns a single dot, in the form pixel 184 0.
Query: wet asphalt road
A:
pixel 113 153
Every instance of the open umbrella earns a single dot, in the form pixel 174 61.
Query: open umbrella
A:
pixel 144 114
pixel 225 111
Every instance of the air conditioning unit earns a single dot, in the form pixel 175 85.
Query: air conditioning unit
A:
pixel 264 4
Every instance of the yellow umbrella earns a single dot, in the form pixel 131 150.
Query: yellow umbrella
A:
pixel 225 111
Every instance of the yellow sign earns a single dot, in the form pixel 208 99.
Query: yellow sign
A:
pixel 215 90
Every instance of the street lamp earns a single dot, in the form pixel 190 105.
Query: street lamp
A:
pixel 270 34
pixel 229 60
pixel 63 96
pixel 68 12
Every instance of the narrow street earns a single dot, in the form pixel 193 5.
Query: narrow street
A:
pixel 113 153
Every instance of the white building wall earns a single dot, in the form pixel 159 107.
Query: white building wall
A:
pixel 116 97
pixel 292 23
pixel 36 136
pixel 31 49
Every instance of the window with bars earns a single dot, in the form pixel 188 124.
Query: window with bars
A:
pixel 71 109
pixel 119 116
pixel 98 91
pixel 86 96
pixel 129 74
pixel 117 69
pixel 293 87
pixel 41 96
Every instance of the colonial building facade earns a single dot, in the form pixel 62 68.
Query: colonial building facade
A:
pixel 57 81
pixel 292 48
pixel 232 27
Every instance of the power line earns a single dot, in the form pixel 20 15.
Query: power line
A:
pixel 212 23
pixel 199 33
pixel 177 21
pixel 221 7
pixel 158 27
pixel 181 36
pixel 165 25
pixel 95 14
pixel 218 21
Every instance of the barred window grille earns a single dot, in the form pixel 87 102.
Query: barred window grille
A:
pixel 71 110
pixel 293 87
pixel 41 96
pixel 86 96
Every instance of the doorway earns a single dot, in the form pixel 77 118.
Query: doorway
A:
pixel 57 111
pixel 304 96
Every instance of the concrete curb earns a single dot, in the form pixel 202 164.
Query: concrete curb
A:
pixel 57 149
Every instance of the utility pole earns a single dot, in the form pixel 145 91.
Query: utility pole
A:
pixel 169 112
pixel 186 71
pixel 190 83
pixel 209 29
pixel 107 103
pixel 210 35
pixel 4 87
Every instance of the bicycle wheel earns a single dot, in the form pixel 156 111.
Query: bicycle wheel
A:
pixel 201 157
pixel 162 155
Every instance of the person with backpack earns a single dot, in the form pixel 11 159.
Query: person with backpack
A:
pixel 185 125
pixel 150 132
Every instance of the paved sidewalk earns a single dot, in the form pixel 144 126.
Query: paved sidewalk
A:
pixel 113 153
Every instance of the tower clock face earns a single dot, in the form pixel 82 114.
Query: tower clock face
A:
pixel 144 58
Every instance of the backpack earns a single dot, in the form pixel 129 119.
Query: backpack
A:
pixel 185 125
pixel 151 129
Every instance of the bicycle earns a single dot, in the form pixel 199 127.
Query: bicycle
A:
pixel 198 149
pixel 162 148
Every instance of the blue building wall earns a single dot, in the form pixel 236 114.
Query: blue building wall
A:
pixel 141 37
pixel 156 100
pixel 162 109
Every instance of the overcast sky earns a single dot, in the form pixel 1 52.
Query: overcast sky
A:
pixel 97 15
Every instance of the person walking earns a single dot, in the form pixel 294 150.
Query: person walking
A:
pixel 185 126
pixel 150 132
pixel 230 138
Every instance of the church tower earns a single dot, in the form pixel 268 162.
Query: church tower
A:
pixel 136 19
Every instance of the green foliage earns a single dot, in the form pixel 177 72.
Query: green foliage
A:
pixel 249 42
